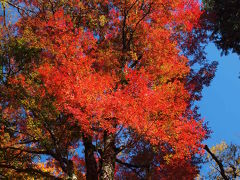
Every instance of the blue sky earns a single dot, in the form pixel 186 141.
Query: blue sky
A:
pixel 220 103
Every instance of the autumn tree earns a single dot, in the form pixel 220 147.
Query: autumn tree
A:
pixel 111 76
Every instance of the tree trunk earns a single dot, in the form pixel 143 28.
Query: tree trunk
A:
pixel 91 164
pixel 72 177
pixel 108 158
pixel 67 166
pixel 70 171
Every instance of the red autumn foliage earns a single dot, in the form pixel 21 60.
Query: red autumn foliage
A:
pixel 117 71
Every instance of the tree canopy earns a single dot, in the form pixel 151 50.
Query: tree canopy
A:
pixel 102 89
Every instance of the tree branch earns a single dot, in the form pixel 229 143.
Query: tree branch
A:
pixel 26 150
pixel 219 163
pixel 29 170
pixel 20 8
pixel 131 165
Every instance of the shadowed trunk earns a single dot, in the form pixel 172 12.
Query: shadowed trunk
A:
pixel 108 158
pixel 70 171
pixel 91 164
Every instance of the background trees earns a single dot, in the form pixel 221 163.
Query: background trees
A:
pixel 111 77
pixel 228 157
pixel 224 23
